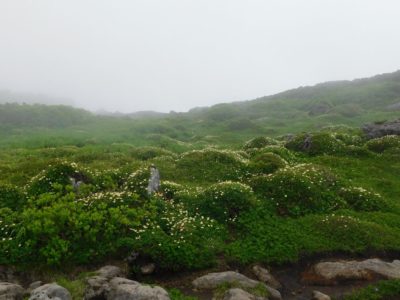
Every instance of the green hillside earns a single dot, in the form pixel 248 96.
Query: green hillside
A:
pixel 303 109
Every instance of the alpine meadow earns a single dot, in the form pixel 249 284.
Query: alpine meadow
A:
pixel 254 198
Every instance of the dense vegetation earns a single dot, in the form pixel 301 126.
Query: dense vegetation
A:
pixel 250 195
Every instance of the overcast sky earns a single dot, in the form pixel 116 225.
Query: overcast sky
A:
pixel 131 55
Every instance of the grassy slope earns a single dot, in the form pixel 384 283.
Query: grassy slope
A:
pixel 350 103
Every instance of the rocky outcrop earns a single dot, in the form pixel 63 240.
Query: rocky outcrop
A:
pixel 213 280
pixel 125 289
pixel 11 291
pixel 266 277
pixel 50 291
pixel 331 273
pixel 319 296
pixel 108 285
pixel 239 294
pixel 382 129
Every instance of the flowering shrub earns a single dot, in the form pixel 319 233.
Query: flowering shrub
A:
pixel 379 145
pixel 224 201
pixel 146 153
pixel 348 233
pixel 266 163
pixel 176 239
pixel 138 181
pixel 55 229
pixel 299 190
pixel 211 165
pixel 58 174
pixel 11 197
pixel 361 199
pixel 169 189
pixel 316 144
pixel 259 142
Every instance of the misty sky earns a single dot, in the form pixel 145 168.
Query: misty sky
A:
pixel 130 55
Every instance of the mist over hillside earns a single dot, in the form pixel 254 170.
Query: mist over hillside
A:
pixel 351 103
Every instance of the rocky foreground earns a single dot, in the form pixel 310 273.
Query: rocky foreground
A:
pixel 109 283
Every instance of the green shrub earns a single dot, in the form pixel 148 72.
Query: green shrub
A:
pixel 176 239
pixel 361 199
pixel 146 153
pixel 138 182
pixel 383 290
pixel 316 144
pixel 299 190
pixel 169 189
pixel 384 143
pixel 259 142
pixel 11 197
pixel 57 175
pixel 57 229
pixel 211 165
pixel 225 201
pixel 263 237
pixel 343 232
pixel 266 163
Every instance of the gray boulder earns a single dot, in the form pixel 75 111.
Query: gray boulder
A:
pixel 97 287
pixel 239 294
pixel 11 291
pixel 319 296
pixel 50 291
pixel 125 289
pixel 109 272
pixel 382 129
pixel 213 280
pixel 265 276
pixel 333 272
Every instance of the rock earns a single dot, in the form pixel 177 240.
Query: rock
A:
pixel 273 294
pixel 265 276
pixel 50 291
pixel 331 273
pixel 34 285
pixel 239 294
pixel 125 289
pixel 148 269
pixel 97 287
pixel 109 272
pixel 319 296
pixel 213 280
pixel 382 129
pixel 11 291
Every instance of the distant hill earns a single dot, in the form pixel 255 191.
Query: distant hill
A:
pixel 311 108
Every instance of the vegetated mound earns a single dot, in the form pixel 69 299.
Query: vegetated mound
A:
pixel 211 165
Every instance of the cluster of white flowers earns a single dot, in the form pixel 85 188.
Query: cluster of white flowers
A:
pixel 177 223
pixel 117 198
pixel 340 221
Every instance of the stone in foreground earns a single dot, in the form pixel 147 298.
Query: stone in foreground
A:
pixel 265 276
pixel 50 291
pixel 213 280
pixel 239 294
pixel 330 273
pixel 125 289
pixel 11 291
pixel 319 296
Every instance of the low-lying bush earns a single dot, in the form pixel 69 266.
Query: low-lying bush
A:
pixel 226 200
pixel 316 144
pixel 384 143
pixel 299 190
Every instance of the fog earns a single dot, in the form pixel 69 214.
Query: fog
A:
pixel 163 55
